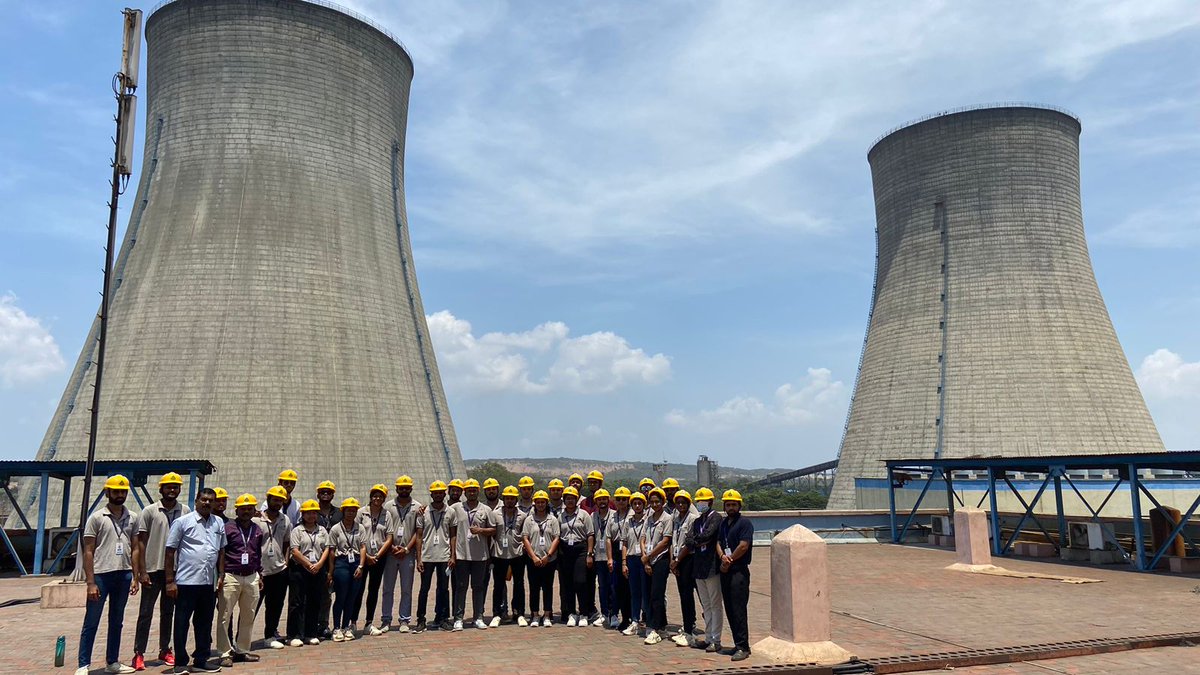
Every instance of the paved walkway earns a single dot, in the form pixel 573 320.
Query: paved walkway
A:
pixel 887 600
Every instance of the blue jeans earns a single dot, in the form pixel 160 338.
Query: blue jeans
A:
pixel 608 601
pixel 639 589
pixel 114 587
pixel 347 593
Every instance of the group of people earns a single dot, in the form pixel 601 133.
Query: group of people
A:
pixel 613 554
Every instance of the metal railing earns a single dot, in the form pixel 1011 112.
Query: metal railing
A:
pixel 969 108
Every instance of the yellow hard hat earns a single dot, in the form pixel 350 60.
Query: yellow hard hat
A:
pixel 575 476
pixel 541 494
pixel 703 494
pixel 437 486
pixel 327 485
pixel 555 483
pixel 526 481
pixel 571 491
pixel 600 493
pixel 621 492
pixel 471 483
pixel 683 494
pixel 491 483
pixel 221 493
pixel 404 481
pixel 288 474
pixel 657 491
pixel 731 496
pixel 637 496
pixel 116 482
pixel 595 475
pixel 645 482
pixel 310 505
pixel 245 500
pixel 380 487
pixel 456 483
pixel 277 491
pixel 171 478
pixel 670 483
pixel 511 491
pixel 350 503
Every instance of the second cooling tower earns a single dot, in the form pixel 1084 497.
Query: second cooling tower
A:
pixel 988 335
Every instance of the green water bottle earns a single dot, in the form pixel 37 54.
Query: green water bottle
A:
pixel 60 651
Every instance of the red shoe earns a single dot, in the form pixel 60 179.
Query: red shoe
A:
pixel 139 662
pixel 167 657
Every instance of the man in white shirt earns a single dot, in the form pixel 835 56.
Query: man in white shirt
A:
pixel 194 569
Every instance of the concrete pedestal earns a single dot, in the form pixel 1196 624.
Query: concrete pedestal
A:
pixel 971 546
pixel 800 603
pixel 1183 565
pixel 61 593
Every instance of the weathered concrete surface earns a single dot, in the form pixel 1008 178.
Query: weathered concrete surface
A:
pixel 971 545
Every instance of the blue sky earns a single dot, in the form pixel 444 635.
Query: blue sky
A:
pixel 644 230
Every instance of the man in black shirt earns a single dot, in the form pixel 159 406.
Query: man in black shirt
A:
pixel 701 543
pixel 736 539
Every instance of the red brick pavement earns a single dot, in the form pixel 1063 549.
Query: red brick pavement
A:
pixel 887 600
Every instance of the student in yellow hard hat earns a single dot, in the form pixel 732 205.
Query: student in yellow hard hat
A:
pixel 540 539
pixel 310 574
pixel 154 523
pixel 701 544
pixel 576 481
pixel 525 488
pixel 376 521
pixel 437 540
pixel 508 558
pixel 595 481
pixel 287 480
pixel 454 491
pixel 276 552
pixel 736 540
pixel 221 503
pixel 681 566
pixel 491 493
pixel 240 583
pixel 601 572
pixel 402 561
pixel 348 544
pixel 656 542
pixel 327 516
pixel 646 485
pixel 621 614
pixel 575 557
pixel 555 491
pixel 108 567
pixel 633 534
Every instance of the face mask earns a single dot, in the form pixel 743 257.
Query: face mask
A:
pixel 702 507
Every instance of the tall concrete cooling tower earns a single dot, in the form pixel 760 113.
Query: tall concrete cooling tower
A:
pixel 266 311
pixel 987 334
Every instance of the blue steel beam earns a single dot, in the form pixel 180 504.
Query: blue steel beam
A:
pixel 1028 514
pixel 39 542
pixel 1139 547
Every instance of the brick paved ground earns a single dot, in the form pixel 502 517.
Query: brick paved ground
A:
pixel 887 600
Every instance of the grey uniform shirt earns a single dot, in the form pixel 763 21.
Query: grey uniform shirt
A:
pixel 310 544
pixel 575 527
pixel 507 543
pixel 680 527
pixel 114 540
pixel 435 526
pixel 473 546
pixel 156 522
pixel 402 520
pixel 346 542
pixel 616 530
pixel 541 533
pixel 276 542
pixel 377 528
pixel 524 508
pixel 633 532
pixel 657 529
pixel 601 528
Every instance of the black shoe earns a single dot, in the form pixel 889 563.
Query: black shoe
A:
pixel 205 668
pixel 740 655
pixel 699 644
pixel 239 657
pixel 226 662
pixel 180 670
pixel 447 625
pixel 420 627
pixel 729 651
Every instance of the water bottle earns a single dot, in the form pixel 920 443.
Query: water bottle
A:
pixel 60 651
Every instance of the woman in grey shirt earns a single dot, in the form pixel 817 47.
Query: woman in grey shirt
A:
pixel 348 540
pixel 540 538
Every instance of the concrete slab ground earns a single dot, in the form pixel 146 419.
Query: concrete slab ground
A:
pixel 887 600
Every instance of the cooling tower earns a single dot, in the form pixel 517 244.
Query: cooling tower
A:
pixel 987 334
pixel 266 311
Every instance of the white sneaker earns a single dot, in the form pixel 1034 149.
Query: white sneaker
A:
pixel 480 625
pixel 680 639
pixel 314 641
pixel 373 631
pixel 547 622
pixel 653 638
pixel 384 627
pixel 348 634
pixel 631 629
pixel 457 625
pixel 403 627
pixel 275 644
pixel 522 622
pixel 83 670
pixel 599 621
pixel 296 642
pixel 117 667
pixel 572 621
pixel 495 622
pixel 337 635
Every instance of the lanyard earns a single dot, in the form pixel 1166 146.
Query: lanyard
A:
pixel 571 524
pixel 313 535
pixel 542 526
pixel 602 525
pixel 245 537
pixel 510 524
pixel 636 529
pixel 437 525
pixel 471 516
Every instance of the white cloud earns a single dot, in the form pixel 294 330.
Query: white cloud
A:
pixel 816 397
pixel 590 364
pixel 1165 375
pixel 591 430
pixel 28 352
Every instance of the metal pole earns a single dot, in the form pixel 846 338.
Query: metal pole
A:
pixel 1058 504
pixel 1135 502
pixel 892 504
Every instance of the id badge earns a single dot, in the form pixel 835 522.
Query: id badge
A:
pixel 504 543
pixel 437 539
pixel 120 548
pixel 703 547
pixel 542 541
pixel 728 551
pixel 312 557
pixel 350 557
pixel 245 558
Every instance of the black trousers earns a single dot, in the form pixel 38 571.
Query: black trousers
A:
pixel 305 594
pixel 194 604
pixel 274 591
pixel 473 573
pixel 374 578
pixel 660 573
pixel 541 588
pixel 685 581
pixel 621 584
pixel 150 596
pixel 735 591
pixel 500 568
pixel 572 580
pixel 441 602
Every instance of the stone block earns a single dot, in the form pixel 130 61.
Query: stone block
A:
pixel 1184 565
pixel 63 593
pixel 971 545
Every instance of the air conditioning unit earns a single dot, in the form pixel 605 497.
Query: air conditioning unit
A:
pixel 1089 536
pixel 940 525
